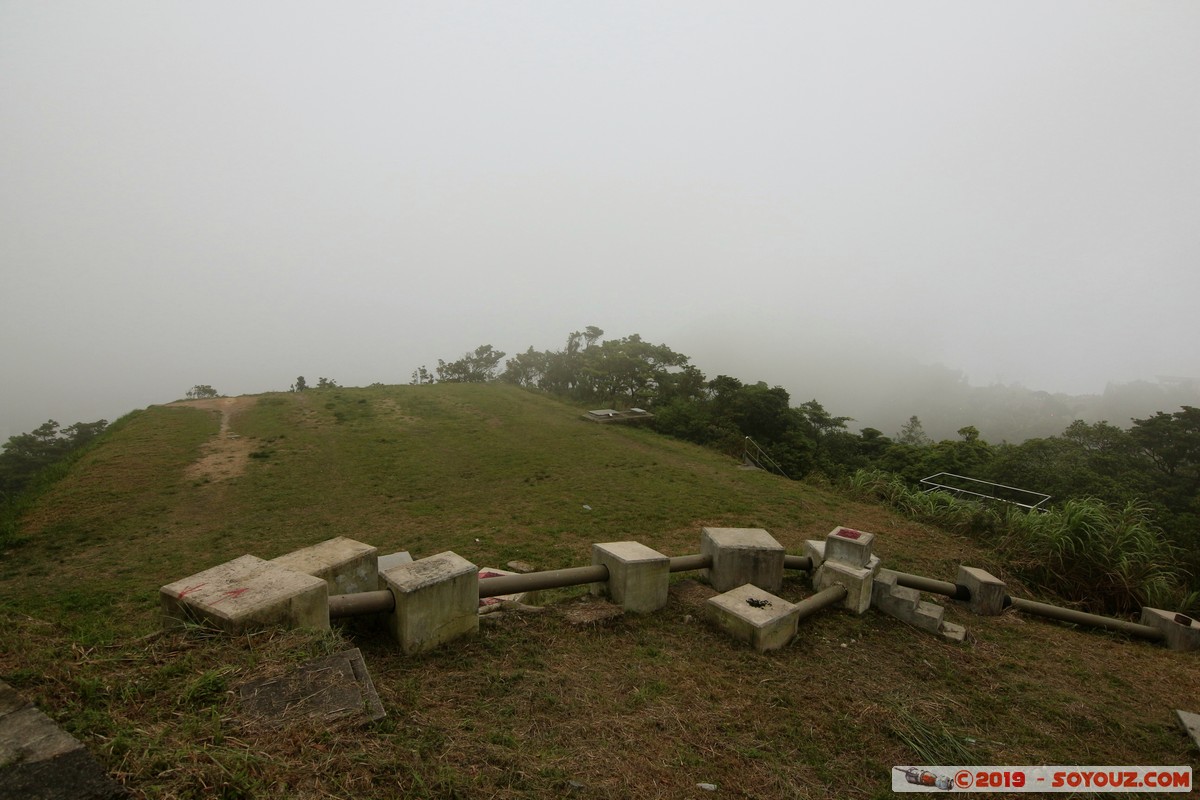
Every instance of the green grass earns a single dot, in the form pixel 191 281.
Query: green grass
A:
pixel 533 706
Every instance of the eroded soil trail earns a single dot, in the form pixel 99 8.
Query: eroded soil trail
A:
pixel 226 454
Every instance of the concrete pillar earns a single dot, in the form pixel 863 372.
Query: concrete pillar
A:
pixel 741 556
pixel 638 577
pixel 1181 631
pixel 987 591
pixel 345 565
pixel 437 600
pixel 849 546
pixel 857 580
pixel 246 594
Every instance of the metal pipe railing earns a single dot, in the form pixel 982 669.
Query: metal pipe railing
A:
pixel 352 605
pixel 1083 618
pixel 921 583
pixel 533 581
pixel 822 599
pixel 798 562
pixel 689 563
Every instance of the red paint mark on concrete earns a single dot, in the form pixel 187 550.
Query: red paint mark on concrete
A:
pixel 231 594
pixel 849 534
pixel 190 589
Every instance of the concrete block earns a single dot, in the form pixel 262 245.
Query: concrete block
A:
pixel 741 556
pixel 345 565
pixel 1191 724
pixel 905 604
pixel 987 591
pixel 246 594
pixel 857 580
pixel 752 615
pixel 849 546
pixel 489 604
pixel 437 601
pixel 393 560
pixel 40 761
pixel 638 577
pixel 1181 632
pixel 815 550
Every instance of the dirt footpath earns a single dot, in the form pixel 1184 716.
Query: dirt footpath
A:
pixel 227 453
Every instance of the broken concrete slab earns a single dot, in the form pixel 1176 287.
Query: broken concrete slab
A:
pixel 1191 724
pixel 753 615
pixel 335 688
pixel 489 605
pixel 40 761
pixel 345 565
pixel 246 594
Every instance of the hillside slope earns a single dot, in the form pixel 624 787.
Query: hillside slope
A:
pixel 645 707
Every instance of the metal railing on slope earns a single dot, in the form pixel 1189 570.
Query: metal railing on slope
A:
pixel 756 456
pixel 987 490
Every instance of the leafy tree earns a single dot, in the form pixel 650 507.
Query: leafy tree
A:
pixel 300 385
pixel 24 455
pixel 201 391
pixel 421 376
pixel 477 367
pixel 913 433
pixel 326 383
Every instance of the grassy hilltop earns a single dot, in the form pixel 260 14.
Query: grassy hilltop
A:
pixel 643 707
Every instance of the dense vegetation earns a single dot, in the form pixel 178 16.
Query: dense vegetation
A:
pixel 1125 495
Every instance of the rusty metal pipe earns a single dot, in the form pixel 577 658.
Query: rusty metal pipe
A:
pixel 1083 618
pixel 533 581
pixel 353 605
pixel 822 599
pixel 798 562
pixel 689 563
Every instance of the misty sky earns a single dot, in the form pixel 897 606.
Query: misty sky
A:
pixel 240 193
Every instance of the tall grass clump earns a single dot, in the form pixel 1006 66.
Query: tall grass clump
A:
pixel 1111 559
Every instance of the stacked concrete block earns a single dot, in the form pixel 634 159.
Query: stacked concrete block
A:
pixel 752 615
pixel 846 562
pixel 247 594
pixel 437 601
pixel 1180 632
pixel 638 576
pixel 815 550
pixel 906 605
pixel 987 591
pixel 345 565
pixel 741 556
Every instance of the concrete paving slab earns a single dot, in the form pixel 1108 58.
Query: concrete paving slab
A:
pixel 40 761
pixel 329 689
